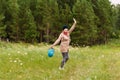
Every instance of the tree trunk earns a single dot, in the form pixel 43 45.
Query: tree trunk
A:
pixel 41 36
pixel 47 32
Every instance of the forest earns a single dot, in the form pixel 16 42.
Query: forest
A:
pixel 36 21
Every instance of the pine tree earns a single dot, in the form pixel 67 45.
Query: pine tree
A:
pixel 46 17
pixel 2 17
pixel 103 10
pixel 118 21
pixel 27 24
pixel 118 18
pixel 28 20
pixel 85 33
pixel 11 19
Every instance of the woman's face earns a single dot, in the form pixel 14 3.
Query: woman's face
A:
pixel 65 30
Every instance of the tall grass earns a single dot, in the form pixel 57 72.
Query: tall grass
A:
pixel 21 61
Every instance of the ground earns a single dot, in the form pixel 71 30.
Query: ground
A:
pixel 22 61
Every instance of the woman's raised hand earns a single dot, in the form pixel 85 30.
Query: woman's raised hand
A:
pixel 74 20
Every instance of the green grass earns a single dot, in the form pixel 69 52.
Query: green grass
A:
pixel 21 61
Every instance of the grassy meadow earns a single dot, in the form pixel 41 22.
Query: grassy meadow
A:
pixel 22 61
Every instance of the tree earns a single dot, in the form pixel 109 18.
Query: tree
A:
pixel 118 18
pixel 62 4
pixel 2 17
pixel 103 10
pixel 85 33
pixel 11 19
pixel 118 21
pixel 27 24
pixel 39 20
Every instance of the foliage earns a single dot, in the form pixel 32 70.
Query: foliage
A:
pixel 38 20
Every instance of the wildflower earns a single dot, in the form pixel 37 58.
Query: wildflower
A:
pixel 18 52
pixel 15 61
pixel 102 56
pixel 21 64
pixel 25 53
pixel 95 77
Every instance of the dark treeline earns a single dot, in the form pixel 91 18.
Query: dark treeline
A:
pixel 42 20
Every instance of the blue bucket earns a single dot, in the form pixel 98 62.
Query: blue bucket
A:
pixel 51 52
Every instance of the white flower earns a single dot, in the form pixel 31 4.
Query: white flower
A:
pixel 21 64
pixel 26 53
pixel 102 56
pixel 18 52
pixel 15 61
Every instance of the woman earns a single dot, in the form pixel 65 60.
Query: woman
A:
pixel 64 37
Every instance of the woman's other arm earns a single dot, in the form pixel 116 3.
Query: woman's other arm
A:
pixel 57 41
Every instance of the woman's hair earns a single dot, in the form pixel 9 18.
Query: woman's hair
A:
pixel 65 26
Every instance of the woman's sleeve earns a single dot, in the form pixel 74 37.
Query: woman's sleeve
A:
pixel 72 28
pixel 58 40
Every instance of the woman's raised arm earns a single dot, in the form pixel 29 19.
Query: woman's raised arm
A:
pixel 73 26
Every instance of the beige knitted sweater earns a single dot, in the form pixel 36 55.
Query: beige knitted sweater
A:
pixel 65 40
